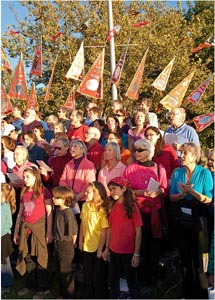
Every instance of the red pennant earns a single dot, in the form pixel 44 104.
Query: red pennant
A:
pixel 92 84
pixel 5 66
pixel 53 38
pixel 11 32
pixel 196 95
pixel 32 100
pixel 18 88
pixel 50 81
pixel 6 105
pixel 141 23
pixel 201 46
pixel 203 121
pixel 36 68
pixel 70 101
pixel 118 70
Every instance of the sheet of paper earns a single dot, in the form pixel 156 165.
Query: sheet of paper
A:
pixel 76 209
pixel 153 185
pixel 13 177
pixel 186 211
pixel 44 165
pixel 170 138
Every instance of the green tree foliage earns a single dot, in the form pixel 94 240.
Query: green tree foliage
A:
pixel 171 31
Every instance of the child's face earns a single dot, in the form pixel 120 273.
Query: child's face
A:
pixel 58 201
pixel 29 179
pixel 116 191
pixel 89 194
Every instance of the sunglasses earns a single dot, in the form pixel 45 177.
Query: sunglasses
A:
pixel 140 150
pixel 116 115
pixel 58 148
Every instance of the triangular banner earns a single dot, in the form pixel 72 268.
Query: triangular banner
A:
pixel 5 65
pixel 36 68
pixel 196 95
pixel 174 97
pixel 50 81
pixel 161 81
pixel 92 84
pixel 203 121
pixel 18 88
pixel 118 70
pixel 32 100
pixel 76 71
pixel 201 46
pixel 6 105
pixel 70 101
pixel 134 88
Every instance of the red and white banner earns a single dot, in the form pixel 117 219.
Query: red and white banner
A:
pixel 18 88
pixel 201 46
pixel 50 81
pixel 36 68
pixel 76 71
pixel 175 96
pixel 118 70
pixel 70 101
pixel 161 81
pixel 196 95
pixel 203 121
pixel 5 65
pixel 134 88
pixel 92 84
pixel 32 99
pixel 6 105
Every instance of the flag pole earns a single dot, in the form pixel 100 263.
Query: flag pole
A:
pixel 112 48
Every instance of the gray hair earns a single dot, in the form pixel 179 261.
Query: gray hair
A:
pixel 80 144
pixel 194 149
pixel 64 141
pixel 146 144
pixel 95 131
pixel 23 150
pixel 180 110
pixel 116 150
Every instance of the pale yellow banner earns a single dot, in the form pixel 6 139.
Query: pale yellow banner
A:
pixel 76 70
pixel 162 79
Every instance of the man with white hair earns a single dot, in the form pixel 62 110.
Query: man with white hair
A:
pixel 184 132
pixel 94 148
pixel 30 120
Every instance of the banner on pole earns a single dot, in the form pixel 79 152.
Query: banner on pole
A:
pixel 32 99
pixel 36 68
pixel 76 71
pixel 161 81
pixel 203 121
pixel 50 81
pixel 6 105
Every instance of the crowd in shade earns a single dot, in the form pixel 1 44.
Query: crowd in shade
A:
pixel 93 193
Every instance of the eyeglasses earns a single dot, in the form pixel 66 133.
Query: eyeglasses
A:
pixel 140 150
pixel 147 135
pixel 116 115
pixel 58 148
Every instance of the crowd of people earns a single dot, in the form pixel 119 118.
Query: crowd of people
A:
pixel 95 193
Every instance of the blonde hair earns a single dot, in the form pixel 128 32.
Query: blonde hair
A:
pixel 10 195
pixel 99 194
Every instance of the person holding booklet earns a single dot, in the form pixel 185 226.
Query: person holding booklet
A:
pixel 139 175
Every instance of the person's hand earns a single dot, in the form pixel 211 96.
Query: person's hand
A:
pixel 105 254
pixel 135 261
pixel 99 253
pixel 16 238
pixel 80 246
pixel 185 188
pixel 43 171
pixel 176 146
pixel 49 237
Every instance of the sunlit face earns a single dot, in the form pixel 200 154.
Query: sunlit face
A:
pixel 29 179
pixel 76 151
pixel 75 119
pixel 60 149
pixel 141 153
pixel 112 138
pixel 89 135
pixel 19 156
pixel 61 114
pixel 152 136
pixel 16 112
pixel 89 194
pixel 116 191
pixel 140 118
pixel 57 129
pixel 28 140
pixel 109 153
pixel 112 124
pixel 175 117
pixel 187 157
pixel 37 132
pixel 211 163
pixel 58 201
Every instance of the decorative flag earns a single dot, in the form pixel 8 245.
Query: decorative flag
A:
pixel 112 33
pixel 57 35
pixel 201 46
pixel 161 81
pixel 203 121
pixel 11 32
pixel 175 96
pixel 92 84
pixel 6 105
pixel 18 88
pixel 196 95
pixel 76 71
pixel 134 88
pixel 5 65
pixel 141 23
pixel 36 68
pixel 50 81
pixel 32 100
pixel 70 101
pixel 118 70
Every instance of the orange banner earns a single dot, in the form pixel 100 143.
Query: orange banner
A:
pixel 6 105
pixel 50 81
pixel 36 68
pixel 201 46
pixel 32 100
pixel 92 84
pixel 5 65
pixel 203 121
pixel 18 88
pixel 134 88
pixel 70 101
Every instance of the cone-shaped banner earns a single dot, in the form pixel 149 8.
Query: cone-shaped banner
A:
pixel 134 88
pixel 175 96
pixel 203 121
pixel 161 81
pixel 18 88
pixel 50 81
pixel 196 95
pixel 70 101
pixel 76 71
pixel 32 100
pixel 118 70
pixel 92 84
pixel 36 68
pixel 6 105
pixel 5 65
pixel 201 46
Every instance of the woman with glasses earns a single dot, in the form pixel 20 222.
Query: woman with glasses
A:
pixel 121 116
pixel 142 174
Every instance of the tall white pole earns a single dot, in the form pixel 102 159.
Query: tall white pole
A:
pixel 112 48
